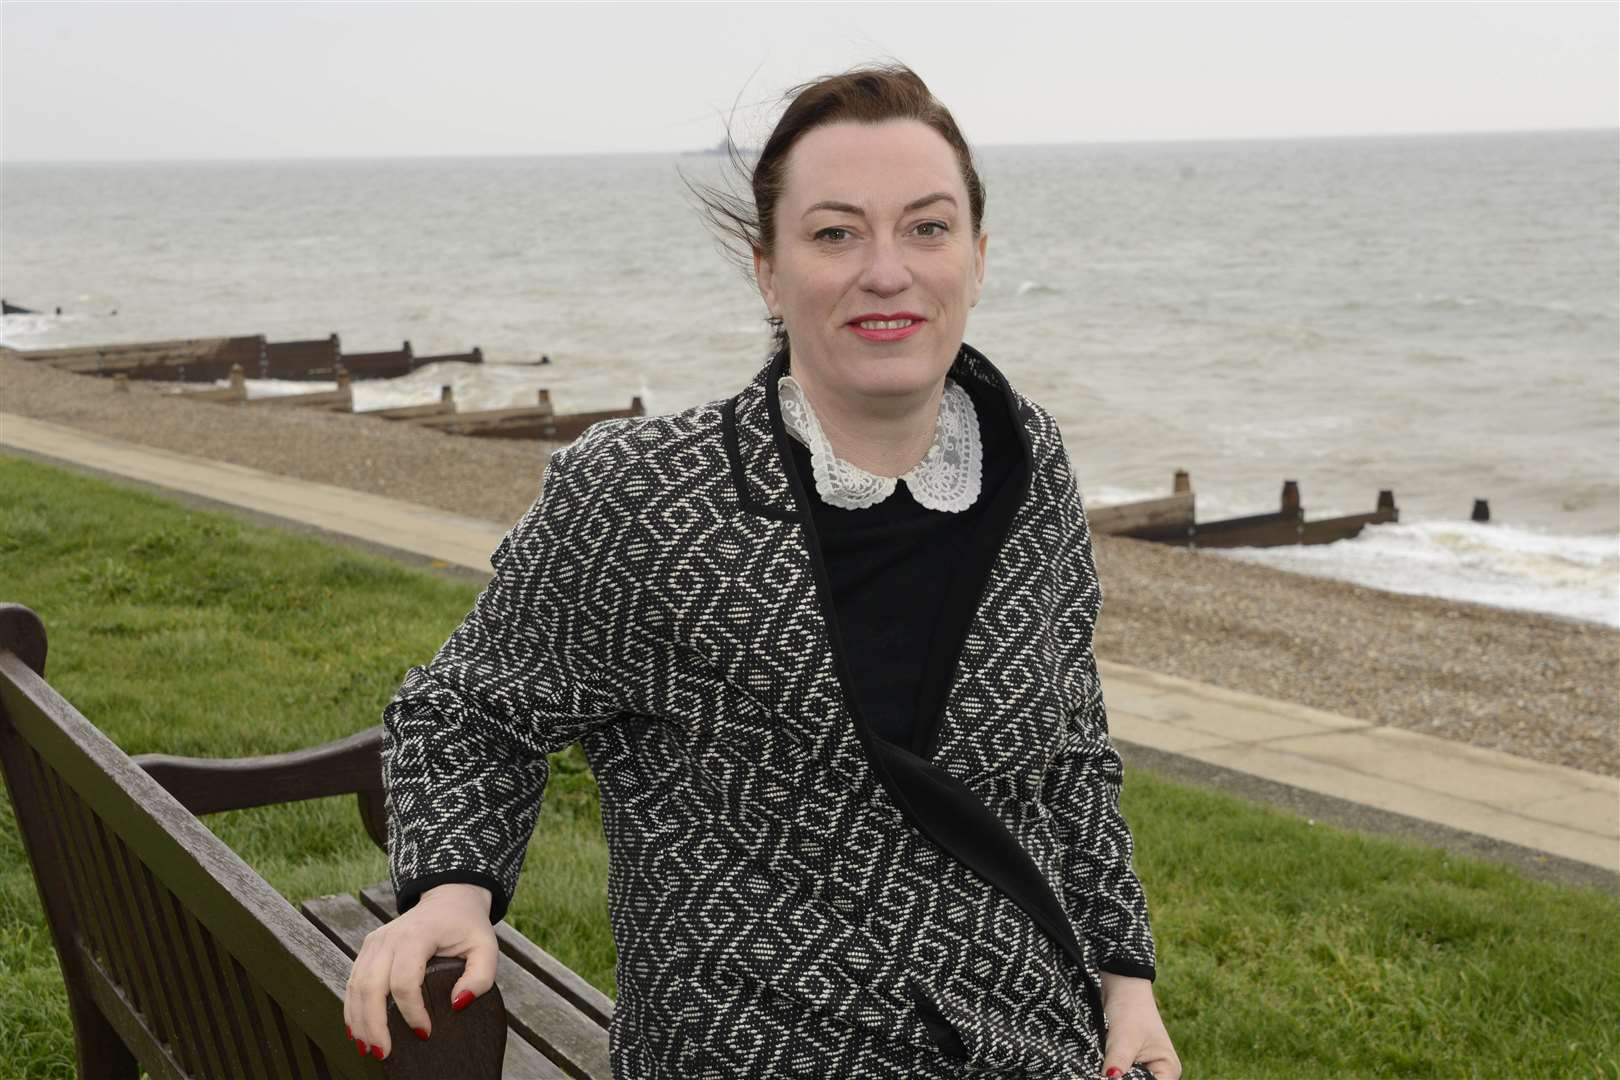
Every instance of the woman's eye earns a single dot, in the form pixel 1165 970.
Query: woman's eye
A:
pixel 830 229
pixel 938 226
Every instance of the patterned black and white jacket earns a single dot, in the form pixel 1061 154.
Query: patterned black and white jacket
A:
pixel 790 894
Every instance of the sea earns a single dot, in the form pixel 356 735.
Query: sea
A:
pixel 1433 315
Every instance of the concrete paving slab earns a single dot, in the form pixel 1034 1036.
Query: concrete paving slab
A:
pixel 1231 721
pixel 1427 762
pixel 1124 722
pixel 1598 811
pixel 1588 845
pixel 1153 684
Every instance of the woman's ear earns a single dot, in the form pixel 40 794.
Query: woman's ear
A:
pixel 978 265
pixel 766 277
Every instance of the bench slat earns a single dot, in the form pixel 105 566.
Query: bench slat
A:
pixel 205 976
pixel 113 857
pixel 120 1011
pixel 346 922
pixel 204 1049
pixel 152 899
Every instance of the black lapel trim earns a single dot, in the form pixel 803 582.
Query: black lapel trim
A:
pixel 765 380
pixel 745 499
pixel 948 813
pixel 1016 409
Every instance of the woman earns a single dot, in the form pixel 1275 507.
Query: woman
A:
pixel 827 646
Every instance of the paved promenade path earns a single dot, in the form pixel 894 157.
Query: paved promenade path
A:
pixel 1563 812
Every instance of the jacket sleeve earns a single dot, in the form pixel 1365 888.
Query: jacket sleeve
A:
pixel 1103 895
pixel 466 735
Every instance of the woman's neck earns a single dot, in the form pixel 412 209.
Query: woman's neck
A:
pixel 885 435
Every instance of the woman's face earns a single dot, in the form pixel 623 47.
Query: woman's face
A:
pixel 873 221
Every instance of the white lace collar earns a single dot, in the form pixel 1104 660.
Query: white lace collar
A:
pixel 947 478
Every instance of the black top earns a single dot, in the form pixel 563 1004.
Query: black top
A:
pixel 891 567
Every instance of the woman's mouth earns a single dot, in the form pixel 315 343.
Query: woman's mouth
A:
pixel 886 329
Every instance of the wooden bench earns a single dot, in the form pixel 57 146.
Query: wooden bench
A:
pixel 177 955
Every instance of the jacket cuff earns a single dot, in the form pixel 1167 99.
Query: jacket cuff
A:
pixel 1130 968
pixel 407 893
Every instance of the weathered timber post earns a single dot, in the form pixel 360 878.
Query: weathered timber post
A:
pixel 1183 483
pixel 1291 507
pixel 1482 510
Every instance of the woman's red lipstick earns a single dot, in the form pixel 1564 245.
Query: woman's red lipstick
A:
pixel 887 335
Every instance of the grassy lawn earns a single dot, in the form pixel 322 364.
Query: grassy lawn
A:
pixel 1286 950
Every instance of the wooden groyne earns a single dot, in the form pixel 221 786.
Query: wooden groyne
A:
pixel 1172 520
pixel 208 359
pixel 537 421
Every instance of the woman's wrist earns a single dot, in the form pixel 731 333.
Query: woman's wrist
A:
pixel 1121 989
pixel 467 891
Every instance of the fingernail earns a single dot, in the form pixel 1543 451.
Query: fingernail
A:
pixel 360 1045
pixel 376 1052
pixel 349 1031
pixel 463 999
pixel 421 1033
pixel 1113 1071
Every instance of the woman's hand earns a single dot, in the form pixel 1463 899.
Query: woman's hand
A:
pixel 1135 1032
pixel 449 920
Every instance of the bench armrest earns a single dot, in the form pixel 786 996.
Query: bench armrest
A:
pixel 350 765
pixel 471 1043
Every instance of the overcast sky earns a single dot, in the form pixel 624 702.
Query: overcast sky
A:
pixel 203 80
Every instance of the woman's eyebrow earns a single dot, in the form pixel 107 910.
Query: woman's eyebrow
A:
pixel 915 204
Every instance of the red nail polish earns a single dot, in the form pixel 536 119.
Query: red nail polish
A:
pixel 349 1031
pixel 360 1045
pixel 376 1052
pixel 1113 1071
pixel 421 1033
pixel 463 999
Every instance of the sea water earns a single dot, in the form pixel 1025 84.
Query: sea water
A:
pixel 1433 315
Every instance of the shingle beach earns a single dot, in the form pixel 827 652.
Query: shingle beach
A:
pixel 1536 685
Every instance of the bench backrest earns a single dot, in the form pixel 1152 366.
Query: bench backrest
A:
pixel 175 952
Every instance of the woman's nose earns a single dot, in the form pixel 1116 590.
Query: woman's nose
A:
pixel 885 272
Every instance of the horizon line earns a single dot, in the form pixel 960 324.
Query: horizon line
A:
pixel 705 152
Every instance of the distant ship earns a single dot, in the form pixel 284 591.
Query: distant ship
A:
pixel 721 148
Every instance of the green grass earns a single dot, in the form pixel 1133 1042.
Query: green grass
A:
pixel 1286 949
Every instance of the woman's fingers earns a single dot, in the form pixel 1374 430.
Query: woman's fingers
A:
pixel 1162 1061
pixel 362 983
pixel 481 954
pixel 1125 1042
pixel 409 967
pixel 370 983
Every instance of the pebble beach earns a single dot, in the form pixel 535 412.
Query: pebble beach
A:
pixel 1539 686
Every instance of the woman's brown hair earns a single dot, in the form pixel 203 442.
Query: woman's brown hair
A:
pixel 867 95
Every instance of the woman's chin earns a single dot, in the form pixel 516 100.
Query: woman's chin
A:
pixel 896 375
